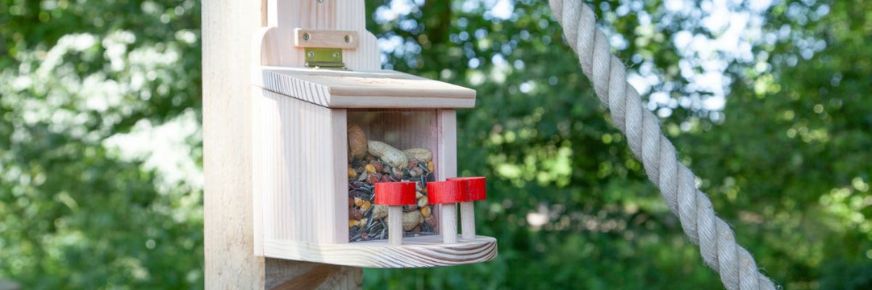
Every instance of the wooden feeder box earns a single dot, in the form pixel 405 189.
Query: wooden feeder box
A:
pixel 327 124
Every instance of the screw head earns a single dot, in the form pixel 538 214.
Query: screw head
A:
pixel 347 38
pixel 310 54
pixel 306 36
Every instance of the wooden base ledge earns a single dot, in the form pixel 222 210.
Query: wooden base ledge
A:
pixel 415 252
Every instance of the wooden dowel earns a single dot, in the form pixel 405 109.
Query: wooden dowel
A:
pixel 467 220
pixel 449 223
pixel 395 225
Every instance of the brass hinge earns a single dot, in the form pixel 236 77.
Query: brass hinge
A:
pixel 319 57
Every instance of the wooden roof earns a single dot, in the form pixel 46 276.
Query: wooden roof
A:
pixel 362 89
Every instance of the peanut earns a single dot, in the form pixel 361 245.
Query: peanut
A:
pixel 357 142
pixel 411 220
pixel 390 155
pixel 379 212
pixel 420 154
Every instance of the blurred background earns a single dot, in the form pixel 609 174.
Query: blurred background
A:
pixel 767 101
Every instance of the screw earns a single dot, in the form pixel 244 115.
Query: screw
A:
pixel 310 54
pixel 335 55
pixel 306 36
pixel 347 38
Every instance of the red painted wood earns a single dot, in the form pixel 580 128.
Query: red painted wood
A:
pixel 395 193
pixel 476 187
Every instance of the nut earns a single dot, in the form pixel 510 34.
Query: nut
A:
pixel 390 155
pixel 422 154
pixel 355 214
pixel 357 142
pixel 411 220
pixel 379 212
pixel 425 211
pixel 365 205
pixel 370 168
pixel 374 178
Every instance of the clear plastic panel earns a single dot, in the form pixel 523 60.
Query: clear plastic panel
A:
pixel 410 155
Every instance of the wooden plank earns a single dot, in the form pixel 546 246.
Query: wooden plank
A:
pixel 447 156
pixel 299 169
pixel 345 39
pixel 352 16
pixel 467 219
pixel 230 263
pixel 448 220
pixel 363 89
pixel 415 252
pixel 339 191
pixel 447 152
pixel 286 15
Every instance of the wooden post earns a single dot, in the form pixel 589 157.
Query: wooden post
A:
pixel 467 220
pixel 228 28
pixel 448 220
pixel 395 225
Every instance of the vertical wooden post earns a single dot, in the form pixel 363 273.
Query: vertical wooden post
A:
pixel 395 225
pixel 228 28
pixel 467 220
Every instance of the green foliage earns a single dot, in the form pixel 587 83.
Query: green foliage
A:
pixel 75 211
pixel 786 161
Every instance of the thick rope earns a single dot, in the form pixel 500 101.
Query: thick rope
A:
pixel 677 183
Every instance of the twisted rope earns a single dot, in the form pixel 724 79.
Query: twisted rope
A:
pixel 677 184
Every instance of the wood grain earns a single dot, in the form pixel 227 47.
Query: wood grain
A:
pixel 448 220
pixel 415 252
pixel 230 261
pixel 344 39
pixel 395 225
pixel 286 15
pixel 295 121
pixel 300 169
pixel 363 89
pixel 467 219
pixel 446 153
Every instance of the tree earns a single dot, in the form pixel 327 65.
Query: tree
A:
pixel 78 208
pixel 784 156
pixel 539 134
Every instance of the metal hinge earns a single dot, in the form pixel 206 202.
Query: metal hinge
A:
pixel 323 48
pixel 319 57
